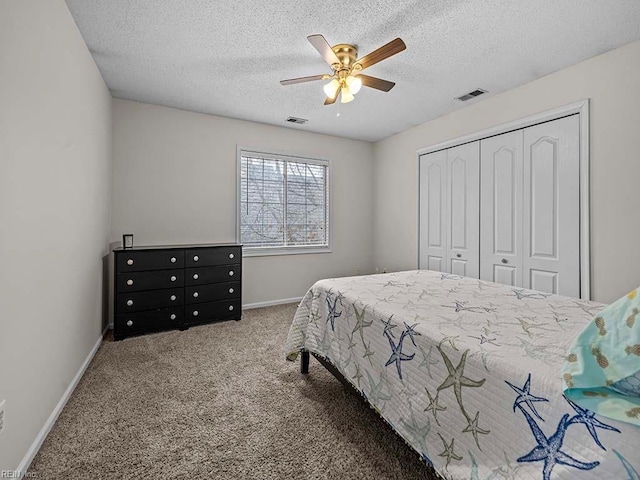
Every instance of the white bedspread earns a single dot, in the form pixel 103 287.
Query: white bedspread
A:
pixel 467 372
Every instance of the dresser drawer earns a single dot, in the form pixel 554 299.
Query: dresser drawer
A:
pixel 136 301
pixel 222 273
pixel 206 257
pixel 135 261
pixel 138 281
pixel 132 323
pixel 211 292
pixel 205 312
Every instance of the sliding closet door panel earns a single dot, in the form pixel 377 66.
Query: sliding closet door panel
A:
pixel 551 225
pixel 433 211
pixel 463 246
pixel 501 208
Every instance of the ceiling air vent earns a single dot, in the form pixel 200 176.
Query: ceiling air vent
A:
pixel 297 120
pixel 470 95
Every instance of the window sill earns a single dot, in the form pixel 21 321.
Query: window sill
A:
pixel 274 251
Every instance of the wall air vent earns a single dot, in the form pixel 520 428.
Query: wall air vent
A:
pixel 297 120
pixel 470 95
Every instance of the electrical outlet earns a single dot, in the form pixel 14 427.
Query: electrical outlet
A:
pixel 2 415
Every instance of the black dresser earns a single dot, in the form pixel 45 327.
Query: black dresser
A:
pixel 162 288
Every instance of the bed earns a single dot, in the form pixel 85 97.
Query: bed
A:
pixel 467 372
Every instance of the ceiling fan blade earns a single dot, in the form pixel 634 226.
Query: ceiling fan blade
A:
pixel 386 51
pixel 323 48
pixel 376 83
pixel 331 101
pixel 293 81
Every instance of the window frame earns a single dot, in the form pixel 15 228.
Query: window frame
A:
pixel 261 251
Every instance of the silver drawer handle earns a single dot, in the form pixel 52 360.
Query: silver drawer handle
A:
pixel 173 297
pixel 173 259
pixel 231 255
pixel 231 290
pixel 196 258
pixel 130 282
pixel 173 316
pixel 130 261
pixel 195 276
pixel 173 278
pixel 195 313
pixel 129 303
pixel 230 307
pixel 231 273
pixel 129 323
pixel 504 260
pixel 195 294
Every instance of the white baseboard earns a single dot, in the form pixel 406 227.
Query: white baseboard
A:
pixel 282 301
pixel 48 425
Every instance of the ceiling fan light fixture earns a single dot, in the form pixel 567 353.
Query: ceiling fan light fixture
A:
pixel 346 96
pixel 354 84
pixel 331 88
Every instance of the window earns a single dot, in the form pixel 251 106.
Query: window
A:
pixel 283 204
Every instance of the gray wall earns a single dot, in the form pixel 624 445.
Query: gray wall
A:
pixel 611 82
pixel 55 183
pixel 175 181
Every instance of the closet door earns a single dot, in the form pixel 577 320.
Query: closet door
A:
pixel 551 225
pixel 501 208
pixel 433 215
pixel 463 210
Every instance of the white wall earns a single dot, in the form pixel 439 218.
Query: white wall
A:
pixel 175 182
pixel 611 82
pixel 55 182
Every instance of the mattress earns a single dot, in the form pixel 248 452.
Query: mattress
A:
pixel 467 372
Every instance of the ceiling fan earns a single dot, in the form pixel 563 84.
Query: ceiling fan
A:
pixel 347 79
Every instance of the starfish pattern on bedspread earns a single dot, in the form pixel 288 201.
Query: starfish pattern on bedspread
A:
pixel 449 451
pixel 427 361
pixel 358 374
pixel 508 471
pixel 314 316
pixel 475 429
pixel 588 418
pixel 632 472
pixel 520 294
pixel 351 342
pixel 397 356
pixel 456 378
pixel 333 314
pixel 388 326
pixel 548 449
pixel 451 339
pixel 527 325
pixel 448 276
pixel 417 432
pixel 459 306
pixel 410 331
pixel 434 407
pixel 368 353
pixel 524 396
pixel 484 340
pixel 360 322
pixel 375 390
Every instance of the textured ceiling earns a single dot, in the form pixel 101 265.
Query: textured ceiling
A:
pixel 227 58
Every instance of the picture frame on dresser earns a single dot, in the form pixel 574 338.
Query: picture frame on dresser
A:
pixel 127 240
pixel 158 288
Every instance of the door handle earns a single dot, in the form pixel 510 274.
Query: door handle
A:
pixel 504 260
pixel 459 255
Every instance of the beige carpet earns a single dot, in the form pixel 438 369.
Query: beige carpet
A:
pixel 218 402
